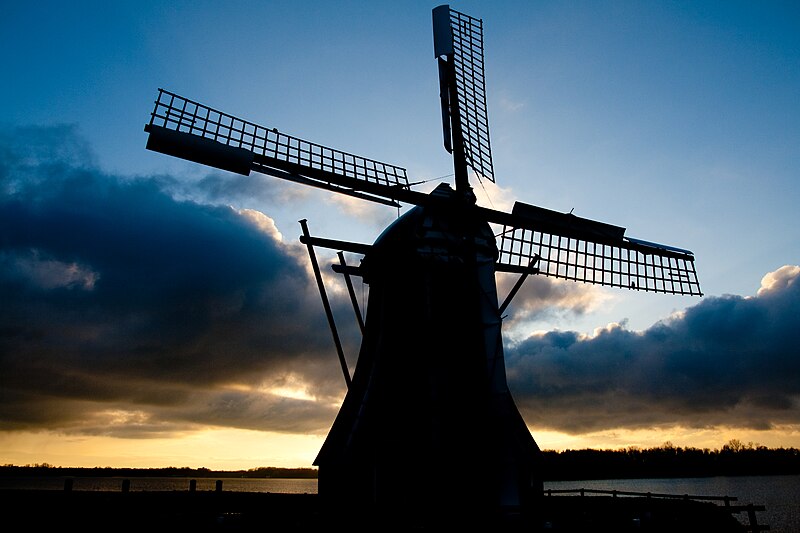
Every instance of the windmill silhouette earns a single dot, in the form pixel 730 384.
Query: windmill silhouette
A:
pixel 429 394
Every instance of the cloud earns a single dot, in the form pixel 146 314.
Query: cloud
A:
pixel 728 361
pixel 46 273
pixel 541 297
pixel 509 104
pixel 491 195
pixel 216 187
pixel 376 215
pixel 779 280
pixel 120 298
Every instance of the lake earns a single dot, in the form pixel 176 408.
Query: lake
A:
pixel 779 494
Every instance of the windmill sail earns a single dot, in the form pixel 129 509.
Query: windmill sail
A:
pixel 578 249
pixel 187 129
pixel 458 43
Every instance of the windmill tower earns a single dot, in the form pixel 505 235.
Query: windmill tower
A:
pixel 428 395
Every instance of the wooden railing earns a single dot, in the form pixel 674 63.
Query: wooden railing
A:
pixel 750 509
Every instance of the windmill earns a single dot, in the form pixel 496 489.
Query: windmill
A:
pixel 429 394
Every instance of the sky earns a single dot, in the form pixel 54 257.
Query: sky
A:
pixel 155 312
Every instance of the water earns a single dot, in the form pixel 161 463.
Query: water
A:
pixel 779 494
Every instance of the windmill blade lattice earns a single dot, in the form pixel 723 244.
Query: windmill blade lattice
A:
pixel 569 247
pixel 188 129
pixel 467 41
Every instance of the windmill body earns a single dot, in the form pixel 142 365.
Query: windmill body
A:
pixel 429 393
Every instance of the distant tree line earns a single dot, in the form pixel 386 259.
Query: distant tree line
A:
pixel 45 469
pixel 667 461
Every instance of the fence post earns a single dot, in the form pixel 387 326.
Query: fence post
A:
pixel 751 514
pixel 219 485
pixel 68 484
pixel 126 485
pixel 192 485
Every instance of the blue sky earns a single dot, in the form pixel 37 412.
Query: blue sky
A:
pixel 153 303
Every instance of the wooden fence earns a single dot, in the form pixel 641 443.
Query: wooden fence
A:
pixel 750 509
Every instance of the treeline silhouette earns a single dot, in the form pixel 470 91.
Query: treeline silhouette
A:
pixel 667 461
pixel 45 469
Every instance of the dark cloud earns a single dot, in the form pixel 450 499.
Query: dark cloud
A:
pixel 541 297
pixel 728 361
pixel 118 298
pixel 217 187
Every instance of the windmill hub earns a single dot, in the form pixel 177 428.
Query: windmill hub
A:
pixel 446 230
